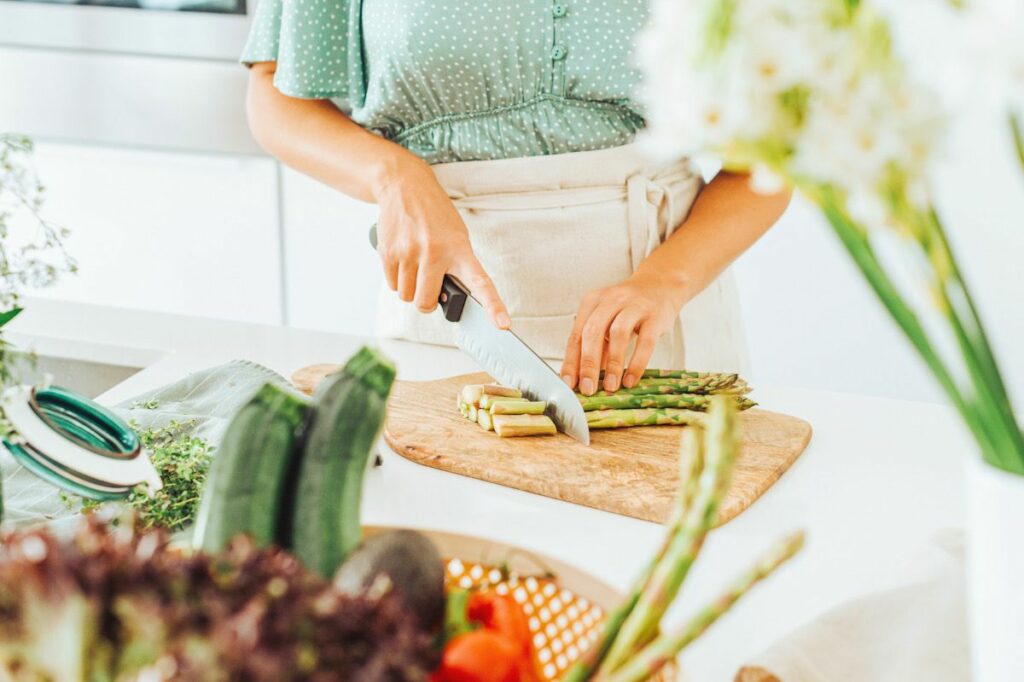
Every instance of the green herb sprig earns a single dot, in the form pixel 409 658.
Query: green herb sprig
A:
pixel 183 461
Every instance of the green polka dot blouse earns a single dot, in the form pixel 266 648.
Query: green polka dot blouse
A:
pixel 463 80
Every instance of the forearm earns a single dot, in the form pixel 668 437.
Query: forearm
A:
pixel 316 138
pixel 726 219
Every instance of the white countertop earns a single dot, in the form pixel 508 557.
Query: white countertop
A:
pixel 879 479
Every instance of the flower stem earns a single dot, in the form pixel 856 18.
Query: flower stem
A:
pixel 856 243
pixel 981 361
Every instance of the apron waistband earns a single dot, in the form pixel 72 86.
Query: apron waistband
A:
pixel 611 175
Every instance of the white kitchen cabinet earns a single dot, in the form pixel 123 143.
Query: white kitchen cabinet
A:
pixel 182 233
pixel 333 274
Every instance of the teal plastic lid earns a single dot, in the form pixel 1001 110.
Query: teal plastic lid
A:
pixel 32 463
pixel 75 443
pixel 85 422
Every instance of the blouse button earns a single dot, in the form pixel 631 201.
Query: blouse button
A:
pixel 559 9
pixel 558 53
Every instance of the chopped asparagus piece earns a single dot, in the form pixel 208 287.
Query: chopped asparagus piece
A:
pixel 502 391
pixel 489 400
pixel 518 407
pixel 472 412
pixel 483 418
pixel 512 425
pixel 471 394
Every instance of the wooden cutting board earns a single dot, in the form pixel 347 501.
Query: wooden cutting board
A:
pixel 627 471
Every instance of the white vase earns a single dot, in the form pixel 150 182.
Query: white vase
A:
pixel 995 575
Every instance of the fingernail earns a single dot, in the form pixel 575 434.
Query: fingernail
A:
pixel 628 381
pixel 587 386
pixel 567 378
pixel 611 383
pixel 503 320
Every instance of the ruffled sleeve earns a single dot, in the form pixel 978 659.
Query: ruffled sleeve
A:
pixel 317 45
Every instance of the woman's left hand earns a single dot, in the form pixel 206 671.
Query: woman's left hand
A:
pixel 644 305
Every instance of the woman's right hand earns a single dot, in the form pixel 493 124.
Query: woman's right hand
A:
pixel 421 237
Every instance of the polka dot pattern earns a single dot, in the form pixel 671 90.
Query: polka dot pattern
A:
pixel 463 80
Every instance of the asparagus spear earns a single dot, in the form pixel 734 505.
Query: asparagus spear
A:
pixel 675 374
pixel 690 401
pixel 665 648
pixel 736 389
pixel 512 425
pixel 709 383
pixel 703 385
pixel 471 412
pixel 661 588
pixel 518 407
pixel 617 419
pixel 691 464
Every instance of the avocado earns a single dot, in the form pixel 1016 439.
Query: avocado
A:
pixel 412 563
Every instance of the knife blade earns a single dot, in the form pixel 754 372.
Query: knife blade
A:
pixel 508 358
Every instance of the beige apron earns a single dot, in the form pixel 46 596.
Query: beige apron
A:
pixel 548 229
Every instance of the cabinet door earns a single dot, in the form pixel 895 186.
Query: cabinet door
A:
pixel 333 274
pixel 179 233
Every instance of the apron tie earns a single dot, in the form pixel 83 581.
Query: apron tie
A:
pixel 646 197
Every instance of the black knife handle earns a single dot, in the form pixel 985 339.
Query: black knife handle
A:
pixel 453 292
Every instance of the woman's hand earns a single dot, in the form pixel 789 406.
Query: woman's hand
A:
pixel 645 305
pixel 421 237
pixel 727 217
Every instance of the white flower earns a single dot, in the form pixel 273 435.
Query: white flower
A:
pixel 802 87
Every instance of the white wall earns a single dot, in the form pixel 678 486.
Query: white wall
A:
pixel 333 274
pixel 193 234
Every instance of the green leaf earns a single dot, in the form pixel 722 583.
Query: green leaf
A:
pixel 9 315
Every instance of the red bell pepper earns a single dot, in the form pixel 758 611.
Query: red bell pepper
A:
pixel 500 650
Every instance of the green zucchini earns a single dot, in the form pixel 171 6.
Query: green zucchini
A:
pixel 348 417
pixel 249 474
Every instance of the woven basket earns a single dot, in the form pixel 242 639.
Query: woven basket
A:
pixel 564 605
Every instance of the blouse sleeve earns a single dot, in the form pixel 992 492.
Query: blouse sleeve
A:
pixel 317 46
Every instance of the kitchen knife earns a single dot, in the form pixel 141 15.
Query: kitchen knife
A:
pixel 507 358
